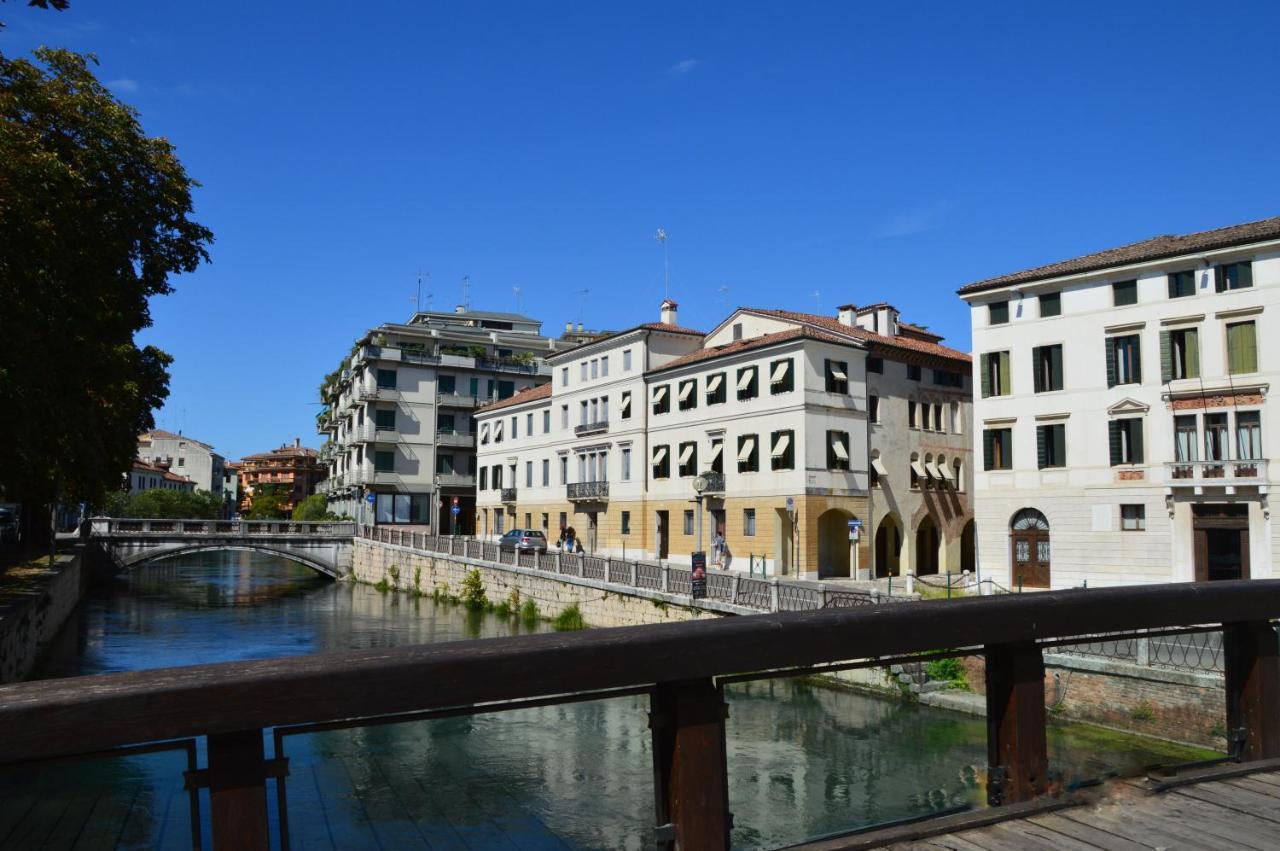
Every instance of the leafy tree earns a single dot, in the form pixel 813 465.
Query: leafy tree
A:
pixel 94 219
pixel 159 503
pixel 314 507
pixel 266 506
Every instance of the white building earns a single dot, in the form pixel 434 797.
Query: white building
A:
pixel 1122 409
pixel 144 476
pixel 777 412
pixel 185 457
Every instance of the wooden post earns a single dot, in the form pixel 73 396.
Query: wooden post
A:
pixel 1252 665
pixel 691 778
pixel 1017 752
pixel 238 790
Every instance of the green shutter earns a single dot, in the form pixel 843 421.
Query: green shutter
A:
pixel 1191 340
pixel 984 366
pixel 1004 374
pixel 1042 458
pixel 1113 437
pixel 1245 273
pixel 1060 445
pixel 1037 384
pixel 1137 359
pixel 1111 362
pixel 1135 440
pixel 1220 278
pixel 1166 358
pixel 1242 348
pixel 1055 367
pixel 988 450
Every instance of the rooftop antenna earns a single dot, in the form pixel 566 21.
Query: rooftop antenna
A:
pixel 516 291
pixel 466 292
pixel 661 236
pixel 417 300
pixel 817 299
pixel 724 295
pixel 582 301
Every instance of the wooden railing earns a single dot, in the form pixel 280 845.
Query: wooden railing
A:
pixel 232 703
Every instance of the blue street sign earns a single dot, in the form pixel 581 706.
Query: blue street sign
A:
pixel 371 498
pixel 855 525
pixel 456 509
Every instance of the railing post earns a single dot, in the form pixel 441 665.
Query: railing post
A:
pixel 581 565
pixel 1252 666
pixel 773 594
pixel 1142 651
pixel 666 576
pixel 691 788
pixel 1017 751
pixel 238 790
pixel 733 586
pixel 635 574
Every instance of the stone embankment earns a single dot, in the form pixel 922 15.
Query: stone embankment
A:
pixel 36 600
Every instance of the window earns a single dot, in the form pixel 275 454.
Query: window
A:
pixel 1179 354
pixel 997 449
pixel 475 388
pixel 1124 293
pixel 687 395
pixel 515 427
pixel 447 383
pixel 747 385
pixel 626 360
pixel 688 522
pixel 998 313
pixel 1249 435
pixel 604 367
pixel 1050 305
pixel 546 421
pixel 384 420
pixel 1124 360
pixel 564 376
pixel 1182 284
pixel 444 424
pixel 873 408
pixel 497 476
pixel 957 426
pixel 937 418
pixel 1242 348
pixel 1215 437
pixel 737 331
pixel 748 454
pixel 837 450
pixel 595 368
pixel 875 365
pixel 1051 445
pixel 781 377
pixel 626 522
pixel 528 424
pixel 947 378
pixel 1047 363
pixel 506 389
pixel 528 477
pixel 546 473
pixel 1234 276
pixel 749 522
pixel 498 520
pixel 626 463
pixel 911 414
pixel 387 379
pixel 661 399
pixel 717 455
pixel 582 368
pixel 688 459
pixel 564 519
pixel 564 416
pixel 994 367
pixel 1185 438
pixel 913 372
pixel 1126 441
pixel 626 405
pixel 782 451
pixel 837 372
pixel 661 463
pixel 384 462
pixel 1133 518
pixel 444 464
pixel 564 471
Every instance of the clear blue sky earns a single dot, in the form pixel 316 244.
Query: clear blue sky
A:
pixel 859 151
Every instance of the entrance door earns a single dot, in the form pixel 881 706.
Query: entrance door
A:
pixel 1221 541
pixel 1029 549
pixel 592 528
pixel 662 534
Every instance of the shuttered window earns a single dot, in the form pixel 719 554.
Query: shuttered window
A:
pixel 994 367
pixel 1124 292
pixel 1182 284
pixel 837 450
pixel 1242 348
pixel 1051 445
pixel 1124 360
pixel 998 313
pixel 747 384
pixel 1233 276
pixel 1050 304
pixel 782 450
pixel 1047 366
pixel 1125 439
pixel 748 454
pixel 1179 354
pixel 837 376
pixel 997 449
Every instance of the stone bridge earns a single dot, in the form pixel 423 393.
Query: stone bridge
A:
pixel 322 546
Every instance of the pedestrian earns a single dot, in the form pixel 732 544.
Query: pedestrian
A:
pixel 717 546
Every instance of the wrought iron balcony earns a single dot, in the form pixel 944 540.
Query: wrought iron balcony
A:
pixel 508 494
pixel 715 481
pixel 588 490
pixel 1240 472
pixel 591 428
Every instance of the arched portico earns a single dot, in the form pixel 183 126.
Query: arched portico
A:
pixel 888 545
pixel 833 543
pixel 928 544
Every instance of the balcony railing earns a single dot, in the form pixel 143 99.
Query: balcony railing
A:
pixel 459 400
pixel 588 490
pixel 456 480
pixel 508 494
pixel 1216 474
pixel 715 481
pixel 453 438
pixel 591 428
pixel 369 393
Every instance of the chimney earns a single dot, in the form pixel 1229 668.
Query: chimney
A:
pixel 579 327
pixel 847 314
pixel 462 308
pixel 297 443
pixel 668 312
pixel 568 327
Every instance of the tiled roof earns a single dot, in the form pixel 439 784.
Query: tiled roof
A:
pixel 747 345
pixel 529 394
pixel 1139 252
pixel 147 467
pixel 282 452
pixel 918 329
pixel 168 435
pixel 672 329
pixel 647 326
pixel 875 341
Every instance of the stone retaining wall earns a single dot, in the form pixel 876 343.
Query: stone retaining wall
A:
pixel 35 601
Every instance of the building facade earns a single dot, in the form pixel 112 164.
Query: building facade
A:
pixel 185 457
pixel 231 487
pixel 290 472
pixel 398 413
pixel 144 476
pixel 798 444
pixel 1122 410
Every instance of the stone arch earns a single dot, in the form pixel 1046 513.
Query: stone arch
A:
pixel 135 559
pixel 968 547
pixel 888 547
pixel 833 542
pixel 928 545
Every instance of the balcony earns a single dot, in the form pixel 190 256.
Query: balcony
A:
pixel 715 481
pixel 508 494
pixel 456 480
pixel 453 438
pixel 588 490
pixel 458 400
pixel 1216 474
pixel 368 394
pixel 596 427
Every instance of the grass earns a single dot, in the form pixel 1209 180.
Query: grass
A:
pixel 569 619
pixel 950 671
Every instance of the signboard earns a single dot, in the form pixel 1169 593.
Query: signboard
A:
pixel 855 526
pixel 455 509
pixel 371 498
pixel 698 582
pixel 791 505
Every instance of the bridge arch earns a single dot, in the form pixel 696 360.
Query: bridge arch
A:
pixel 136 559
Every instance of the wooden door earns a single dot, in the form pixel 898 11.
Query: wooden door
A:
pixel 1221 541
pixel 662 535
pixel 1029 550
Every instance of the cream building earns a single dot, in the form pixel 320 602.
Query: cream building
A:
pixel 1121 413
pixel 777 411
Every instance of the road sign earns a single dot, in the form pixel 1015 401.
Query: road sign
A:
pixel 855 524
pixel 371 498
pixel 791 505
pixel 455 509
pixel 698 576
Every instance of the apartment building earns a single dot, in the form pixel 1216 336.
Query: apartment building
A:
pixel 291 472
pixel 807 456
pixel 185 457
pixel 398 412
pixel 143 476
pixel 1123 398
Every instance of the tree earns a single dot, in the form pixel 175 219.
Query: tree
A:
pixel 314 507
pixel 161 503
pixel 266 506
pixel 94 219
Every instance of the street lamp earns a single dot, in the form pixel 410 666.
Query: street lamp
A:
pixel 700 484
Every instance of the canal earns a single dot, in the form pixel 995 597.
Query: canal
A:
pixel 804 760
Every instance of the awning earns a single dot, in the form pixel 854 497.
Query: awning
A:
pixel 919 469
pixel 837 446
pixel 659 452
pixel 659 394
pixel 946 473
pixel 837 373
pixel 878 466
pixel 497 431
pixel 713 383
pixel 685 391
pixel 716 449
pixel 780 371
pixel 748 446
pixel 933 471
pixel 780 445
pixel 744 379
pixel 686 453
pixel 626 406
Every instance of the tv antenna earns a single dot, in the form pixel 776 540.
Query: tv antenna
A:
pixel 661 237
pixel 582 302
pixel 724 295
pixel 817 299
pixel 417 299
pixel 466 292
pixel 516 292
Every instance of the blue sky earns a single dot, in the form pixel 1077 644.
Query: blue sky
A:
pixel 801 155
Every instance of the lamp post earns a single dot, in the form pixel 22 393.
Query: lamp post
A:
pixel 700 484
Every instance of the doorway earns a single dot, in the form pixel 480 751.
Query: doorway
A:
pixel 1221 541
pixel 888 547
pixel 1029 547
pixel 833 543
pixel 662 527
pixel 927 547
pixel 783 541
pixel 968 549
pixel 592 530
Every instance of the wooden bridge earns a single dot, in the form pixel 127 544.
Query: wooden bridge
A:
pixel 321 546
pixel 682 667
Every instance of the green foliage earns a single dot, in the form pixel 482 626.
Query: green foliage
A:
pixel 473 596
pixel 314 507
pixel 417 579
pixel 158 503
pixel 382 585
pixel 94 220
pixel 393 571
pixel 502 610
pixel 1143 712
pixel 266 506
pixel 950 671
pixel 569 619
pixel 529 613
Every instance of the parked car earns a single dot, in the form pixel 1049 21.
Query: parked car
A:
pixel 8 523
pixel 523 541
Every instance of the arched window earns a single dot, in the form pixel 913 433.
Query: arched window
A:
pixel 915 470
pixel 1029 520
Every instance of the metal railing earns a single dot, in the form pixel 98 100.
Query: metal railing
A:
pixel 715 481
pixel 595 427
pixel 508 495
pixel 111 526
pixel 587 490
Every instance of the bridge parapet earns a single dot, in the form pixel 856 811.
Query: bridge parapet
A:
pixel 109 526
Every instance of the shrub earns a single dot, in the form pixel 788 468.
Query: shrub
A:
pixel 529 613
pixel 473 596
pixel 569 619
pixel 950 671
pixel 1143 712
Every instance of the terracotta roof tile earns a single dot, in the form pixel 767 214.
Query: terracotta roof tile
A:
pixel 282 452
pixel 529 394
pixel 168 435
pixel 873 340
pixel 747 345
pixel 1139 252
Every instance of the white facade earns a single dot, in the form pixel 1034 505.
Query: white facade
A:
pixel 185 457
pixel 1166 443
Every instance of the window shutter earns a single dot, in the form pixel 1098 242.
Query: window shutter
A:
pixel 988 450
pixel 1113 433
pixel 1166 358
pixel 1055 367
pixel 1135 440
pixel 1004 374
pixel 1245 272
pixel 1192 341
pixel 1060 445
pixel 1219 279
pixel 1042 458
pixel 1137 359
pixel 1173 285
pixel 1038 382
pixel 1111 362
pixel 984 366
